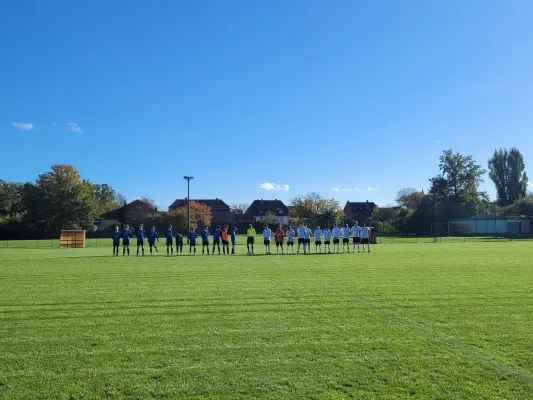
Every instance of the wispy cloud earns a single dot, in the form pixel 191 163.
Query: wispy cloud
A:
pixel 371 189
pixel 74 127
pixel 23 126
pixel 336 189
pixel 274 186
pixel 530 184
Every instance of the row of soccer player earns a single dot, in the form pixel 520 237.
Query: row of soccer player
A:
pixel 360 237
pixel 220 235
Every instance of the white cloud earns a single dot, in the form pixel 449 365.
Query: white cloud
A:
pixel 371 189
pixel 530 184
pixel 23 126
pixel 336 189
pixel 274 186
pixel 74 127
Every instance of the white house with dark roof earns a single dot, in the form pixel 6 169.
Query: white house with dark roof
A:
pixel 258 209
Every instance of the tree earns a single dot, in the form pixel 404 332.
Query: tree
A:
pixel 59 200
pixel 177 218
pixel 507 171
pixel 105 198
pixel 240 207
pixel 330 212
pixel 200 214
pixel 315 209
pixel 409 198
pixel 459 178
pixel 10 199
pixel 120 200
pixel 522 207
pixel 388 219
pixel 270 218
pixel 302 209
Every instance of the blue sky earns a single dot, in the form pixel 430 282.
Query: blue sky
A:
pixel 361 96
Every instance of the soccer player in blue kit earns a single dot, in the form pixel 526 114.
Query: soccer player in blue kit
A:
pixel 233 239
pixel 217 233
pixel 205 240
pixel 192 240
pixel 140 238
pixel 152 239
pixel 170 240
pixel 116 241
pixel 179 243
pixel 126 235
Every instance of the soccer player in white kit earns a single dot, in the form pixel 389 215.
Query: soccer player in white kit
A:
pixel 307 237
pixel 327 237
pixel 365 237
pixel 318 240
pixel 267 233
pixel 336 232
pixel 346 237
pixel 301 234
pixel 356 233
pixel 290 239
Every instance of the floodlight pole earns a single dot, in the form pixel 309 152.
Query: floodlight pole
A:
pixel 188 179
pixel 435 212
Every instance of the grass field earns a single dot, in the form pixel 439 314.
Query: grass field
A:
pixel 440 321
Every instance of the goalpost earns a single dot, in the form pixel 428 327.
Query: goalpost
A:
pixel 70 239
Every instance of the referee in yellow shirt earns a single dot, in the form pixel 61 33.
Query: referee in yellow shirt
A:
pixel 250 240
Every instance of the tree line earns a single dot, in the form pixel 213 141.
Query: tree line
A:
pixel 61 199
pixel 454 193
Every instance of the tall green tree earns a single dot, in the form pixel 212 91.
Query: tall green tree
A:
pixel 459 178
pixel 313 208
pixel 59 200
pixel 409 198
pixel 104 197
pixel 507 171
pixel 10 199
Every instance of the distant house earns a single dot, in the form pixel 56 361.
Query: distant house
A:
pixel 258 209
pixel 359 210
pixel 220 211
pixel 128 213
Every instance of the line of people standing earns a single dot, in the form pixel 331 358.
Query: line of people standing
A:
pixel 220 236
pixel 360 237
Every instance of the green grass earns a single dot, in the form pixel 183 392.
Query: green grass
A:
pixel 444 321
